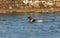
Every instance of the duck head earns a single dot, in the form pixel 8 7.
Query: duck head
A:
pixel 30 18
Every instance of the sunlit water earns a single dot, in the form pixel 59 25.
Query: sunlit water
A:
pixel 20 27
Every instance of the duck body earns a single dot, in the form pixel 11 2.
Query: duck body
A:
pixel 36 20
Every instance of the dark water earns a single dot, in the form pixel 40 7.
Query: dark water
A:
pixel 19 27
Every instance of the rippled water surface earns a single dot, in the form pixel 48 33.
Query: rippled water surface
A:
pixel 20 27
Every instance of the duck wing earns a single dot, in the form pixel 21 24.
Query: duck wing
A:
pixel 34 20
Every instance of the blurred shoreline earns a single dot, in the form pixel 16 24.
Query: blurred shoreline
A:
pixel 31 10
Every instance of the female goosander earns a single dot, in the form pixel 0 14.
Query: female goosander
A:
pixel 34 20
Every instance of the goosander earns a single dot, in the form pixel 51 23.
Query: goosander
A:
pixel 34 20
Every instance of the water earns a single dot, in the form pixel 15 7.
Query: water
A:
pixel 20 27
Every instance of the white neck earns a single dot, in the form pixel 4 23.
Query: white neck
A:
pixel 30 20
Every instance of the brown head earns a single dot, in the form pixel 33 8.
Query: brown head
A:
pixel 30 18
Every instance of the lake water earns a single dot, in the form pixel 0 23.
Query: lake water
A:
pixel 20 27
